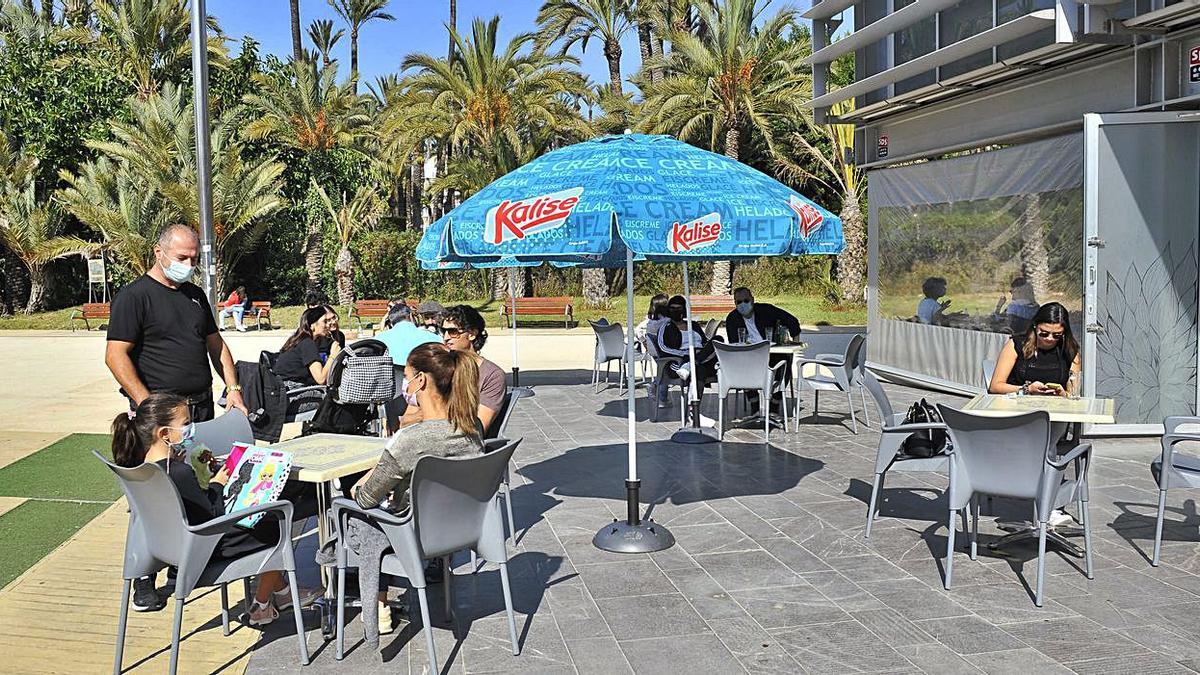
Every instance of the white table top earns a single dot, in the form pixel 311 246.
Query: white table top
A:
pixel 1070 410
pixel 323 457
pixel 794 348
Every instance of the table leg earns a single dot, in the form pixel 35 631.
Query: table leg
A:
pixel 325 605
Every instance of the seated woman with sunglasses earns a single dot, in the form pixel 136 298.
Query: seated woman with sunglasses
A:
pixel 463 331
pixel 1044 361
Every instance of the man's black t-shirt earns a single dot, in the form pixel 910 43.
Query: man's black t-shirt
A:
pixel 169 328
pixel 293 364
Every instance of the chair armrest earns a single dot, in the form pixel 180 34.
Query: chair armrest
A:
pixel 839 358
pixel 1173 438
pixel 1076 453
pixel 376 514
pixel 821 362
pixel 912 428
pixel 228 522
pixel 304 390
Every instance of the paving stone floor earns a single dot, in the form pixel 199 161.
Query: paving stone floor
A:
pixel 771 573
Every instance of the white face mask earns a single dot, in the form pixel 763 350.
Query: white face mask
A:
pixel 745 308
pixel 178 272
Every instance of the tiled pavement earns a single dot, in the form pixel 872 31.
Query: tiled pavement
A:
pixel 771 572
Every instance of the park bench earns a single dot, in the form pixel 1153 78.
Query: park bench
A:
pixel 90 311
pixel 260 310
pixel 560 306
pixel 372 311
pixel 712 304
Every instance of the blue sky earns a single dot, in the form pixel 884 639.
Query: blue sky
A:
pixel 419 28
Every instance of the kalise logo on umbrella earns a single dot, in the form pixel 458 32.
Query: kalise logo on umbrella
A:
pixel 519 219
pixel 811 219
pixel 699 233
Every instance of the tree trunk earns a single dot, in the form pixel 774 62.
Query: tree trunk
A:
pixel 645 43
pixel 657 49
pixel 453 26
pixel 1035 262
pixel 595 288
pixel 37 290
pixel 314 254
pixel 343 273
pixel 15 282
pixel 612 52
pixel 297 45
pixel 499 283
pixel 722 272
pixel 416 173
pixel 325 59
pixel 852 261
pixel 354 58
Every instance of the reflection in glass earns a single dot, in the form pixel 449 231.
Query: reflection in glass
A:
pixel 981 265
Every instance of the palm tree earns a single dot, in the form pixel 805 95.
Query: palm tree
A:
pixel 150 40
pixel 350 217
pixel 114 202
pixel 156 148
pixel 838 171
pixel 452 23
pixel 324 38
pixel 33 231
pixel 311 113
pixel 356 14
pixel 730 78
pixel 583 20
pixel 297 45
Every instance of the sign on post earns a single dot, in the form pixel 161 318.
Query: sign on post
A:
pixel 96 271
pixel 882 150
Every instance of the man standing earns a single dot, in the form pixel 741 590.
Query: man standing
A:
pixel 161 337
pixel 755 318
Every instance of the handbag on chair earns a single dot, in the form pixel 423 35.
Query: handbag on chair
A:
pixel 366 379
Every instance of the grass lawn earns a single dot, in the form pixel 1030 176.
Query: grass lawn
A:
pixel 65 486
pixel 808 309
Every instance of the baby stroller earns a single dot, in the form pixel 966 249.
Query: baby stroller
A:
pixel 361 381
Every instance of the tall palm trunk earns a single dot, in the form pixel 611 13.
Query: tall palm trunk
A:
pixel 722 271
pixel 454 27
pixel 656 50
pixel 15 282
pixel 297 45
pixel 343 273
pixel 416 218
pixel 314 253
pixel 37 289
pixel 852 261
pixel 354 57
pixel 645 43
pixel 1035 262
pixel 612 52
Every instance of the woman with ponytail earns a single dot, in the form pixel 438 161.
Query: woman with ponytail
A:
pixel 160 430
pixel 444 384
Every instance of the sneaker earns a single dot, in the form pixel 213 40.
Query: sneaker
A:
pixel 145 598
pixel 682 371
pixel 241 329
pixel 386 623
pixel 262 614
pixel 283 599
pixel 1058 518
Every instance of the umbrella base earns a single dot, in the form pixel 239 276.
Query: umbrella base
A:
pixel 621 537
pixel 695 436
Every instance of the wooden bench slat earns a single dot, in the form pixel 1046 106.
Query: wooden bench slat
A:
pixel 561 306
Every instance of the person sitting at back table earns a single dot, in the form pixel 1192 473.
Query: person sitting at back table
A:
pixel 299 363
pixel 325 344
pixel 235 305
pixel 430 316
pixel 442 384
pixel 463 330
pixel 160 430
pixel 314 299
pixel 756 318
pixel 674 336
pixel 655 317
pixel 1042 361
pixel 1021 307
pixel 401 337
pixel 929 310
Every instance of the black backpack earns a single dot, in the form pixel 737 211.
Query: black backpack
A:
pixel 927 442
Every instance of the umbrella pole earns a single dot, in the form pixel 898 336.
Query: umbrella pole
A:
pixel 633 535
pixel 512 298
pixel 692 433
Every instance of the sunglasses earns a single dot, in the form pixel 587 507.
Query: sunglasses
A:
pixel 452 332
pixel 1047 335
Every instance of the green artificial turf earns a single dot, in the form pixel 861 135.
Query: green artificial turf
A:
pixel 36 528
pixel 64 470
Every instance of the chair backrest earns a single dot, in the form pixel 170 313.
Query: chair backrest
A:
pixel 854 356
pixel 999 455
pixel 220 433
pixel 710 328
pixel 156 536
pixel 500 425
pixel 743 366
pixel 451 498
pixel 881 400
pixel 989 368
pixel 610 341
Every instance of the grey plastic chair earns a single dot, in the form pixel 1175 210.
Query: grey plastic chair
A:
pixel 159 536
pixel 220 433
pixel 610 346
pixel 746 368
pixel 844 374
pixel 661 363
pixel 710 328
pixel 500 432
pixel 452 507
pixel 860 369
pixel 893 433
pixel 1013 457
pixel 988 367
pixel 1181 470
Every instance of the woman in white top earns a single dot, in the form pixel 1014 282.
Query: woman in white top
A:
pixel 655 317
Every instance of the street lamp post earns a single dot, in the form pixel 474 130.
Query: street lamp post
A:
pixel 208 262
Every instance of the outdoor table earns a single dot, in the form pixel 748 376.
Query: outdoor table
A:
pixel 321 459
pixel 793 349
pixel 1072 411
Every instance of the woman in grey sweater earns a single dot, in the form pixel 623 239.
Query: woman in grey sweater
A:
pixel 445 385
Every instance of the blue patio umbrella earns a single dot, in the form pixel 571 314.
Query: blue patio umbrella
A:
pixel 611 200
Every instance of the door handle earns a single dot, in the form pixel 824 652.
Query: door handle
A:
pixel 1095 328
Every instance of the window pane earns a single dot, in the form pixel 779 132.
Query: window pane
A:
pixel 967 18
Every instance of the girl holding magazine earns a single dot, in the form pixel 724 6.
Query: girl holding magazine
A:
pixel 160 430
